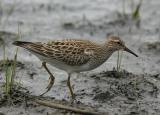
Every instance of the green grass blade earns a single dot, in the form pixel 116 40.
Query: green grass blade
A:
pixel 135 14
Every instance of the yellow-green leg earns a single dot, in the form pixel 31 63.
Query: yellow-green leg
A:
pixel 69 86
pixel 51 78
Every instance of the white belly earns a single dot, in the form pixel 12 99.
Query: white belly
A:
pixel 64 66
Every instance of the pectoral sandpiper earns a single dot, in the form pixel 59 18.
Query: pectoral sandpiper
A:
pixel 73 55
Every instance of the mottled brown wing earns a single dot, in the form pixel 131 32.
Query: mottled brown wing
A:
pixel 71 52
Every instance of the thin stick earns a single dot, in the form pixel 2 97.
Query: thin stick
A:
pixel 118 61
pixel 69 108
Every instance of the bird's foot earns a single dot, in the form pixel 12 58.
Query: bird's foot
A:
pixel 73 99
pixel 51 82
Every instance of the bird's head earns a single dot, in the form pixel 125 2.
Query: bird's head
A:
pixel 115 43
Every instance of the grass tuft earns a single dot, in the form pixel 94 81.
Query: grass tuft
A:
pixel 10 71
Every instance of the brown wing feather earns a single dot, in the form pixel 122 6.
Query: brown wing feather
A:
pixel 71 52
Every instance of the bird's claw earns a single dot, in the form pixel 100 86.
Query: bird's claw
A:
pixel 73 99
pixel 51 82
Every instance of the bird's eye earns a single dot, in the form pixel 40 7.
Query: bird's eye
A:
pixel 118 43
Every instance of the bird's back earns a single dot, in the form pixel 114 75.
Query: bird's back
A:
pixel 72 52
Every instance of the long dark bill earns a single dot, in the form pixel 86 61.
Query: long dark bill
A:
pixel 128 50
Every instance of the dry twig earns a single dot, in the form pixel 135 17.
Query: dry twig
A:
pixel 69 108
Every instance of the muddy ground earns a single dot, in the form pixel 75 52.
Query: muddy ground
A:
pixel 133 91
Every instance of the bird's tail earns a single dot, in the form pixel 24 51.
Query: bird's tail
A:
pixel 33 47
pixel 21 43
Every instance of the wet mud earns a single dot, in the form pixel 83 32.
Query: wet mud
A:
pixel 134 90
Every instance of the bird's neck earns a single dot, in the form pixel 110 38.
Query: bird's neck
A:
pixel 109 50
